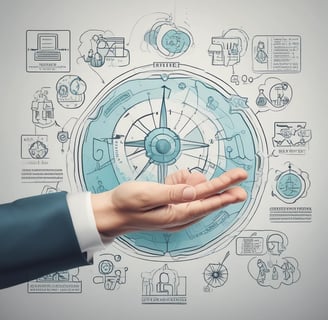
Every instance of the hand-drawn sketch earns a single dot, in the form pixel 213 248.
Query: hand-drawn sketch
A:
pixel 58 282
pixel 110 276
pixel 261 55
pixel 71 91
pixel 226 50
pixel 291 137
pixel 216 274
pixel 276 53
pixel 251 245
pixel 151 122
pixel 34 146
pixel 64 134
pixel 168 39
pixel 48 51
pixel 291 184
pixel 164 286
pixel 268 267
pixel 243 79
pixel 99 48
pixel 43 111
pixel 274 95
pixel 63 137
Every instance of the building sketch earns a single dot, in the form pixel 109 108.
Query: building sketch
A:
pixel 163 286
pixel 43 111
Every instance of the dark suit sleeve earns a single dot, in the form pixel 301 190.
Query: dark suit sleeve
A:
pixel 37 237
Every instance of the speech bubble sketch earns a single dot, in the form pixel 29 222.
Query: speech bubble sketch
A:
pixel 269 273
pixel 274 95
pixel 102 48
pixel 269 267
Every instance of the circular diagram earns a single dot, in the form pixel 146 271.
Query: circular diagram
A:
pixel 216 275
pixel 149 123
pixel 290 185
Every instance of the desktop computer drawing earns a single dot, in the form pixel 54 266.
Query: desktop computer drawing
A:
pixel 47 47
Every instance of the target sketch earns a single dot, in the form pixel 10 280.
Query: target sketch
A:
pixel 151 122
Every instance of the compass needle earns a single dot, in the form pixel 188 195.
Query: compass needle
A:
pixel 163 114
pixel 189 145
pixel 137 143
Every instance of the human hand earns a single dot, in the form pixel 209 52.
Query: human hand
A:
pixel 184 199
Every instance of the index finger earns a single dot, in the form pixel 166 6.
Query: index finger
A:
pixel 219 184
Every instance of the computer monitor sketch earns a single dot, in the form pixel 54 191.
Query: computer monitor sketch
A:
pixel 47 49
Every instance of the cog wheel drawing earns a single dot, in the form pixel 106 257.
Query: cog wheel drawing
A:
pixel 149 123
pixel 216 275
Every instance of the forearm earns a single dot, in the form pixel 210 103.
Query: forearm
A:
pixel 36 238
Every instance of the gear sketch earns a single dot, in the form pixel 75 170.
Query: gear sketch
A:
pixel 151 122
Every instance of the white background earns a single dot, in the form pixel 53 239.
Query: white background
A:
pixel 241 297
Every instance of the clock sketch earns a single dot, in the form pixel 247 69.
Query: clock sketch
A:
pixel 151 122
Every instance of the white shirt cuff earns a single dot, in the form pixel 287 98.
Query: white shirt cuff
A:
pixel 84 223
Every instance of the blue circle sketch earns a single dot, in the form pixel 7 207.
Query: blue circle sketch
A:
pixel 176 41
pixel 148 124
pixel 290 185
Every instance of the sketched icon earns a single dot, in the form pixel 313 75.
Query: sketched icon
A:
pixel 168 39
pixel 216 274
pixel 47 47
pixel 291 184
pixel 38 150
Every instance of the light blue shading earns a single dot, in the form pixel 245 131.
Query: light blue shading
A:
pixel 162 146
pixel 289 185
pixel 176 41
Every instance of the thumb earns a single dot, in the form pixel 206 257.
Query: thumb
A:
pixel 163 194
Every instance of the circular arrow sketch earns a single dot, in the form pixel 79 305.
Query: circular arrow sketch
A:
pixel 149 123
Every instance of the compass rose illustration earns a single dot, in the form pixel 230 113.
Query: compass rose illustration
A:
pixel 162 145
pixel 148 124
